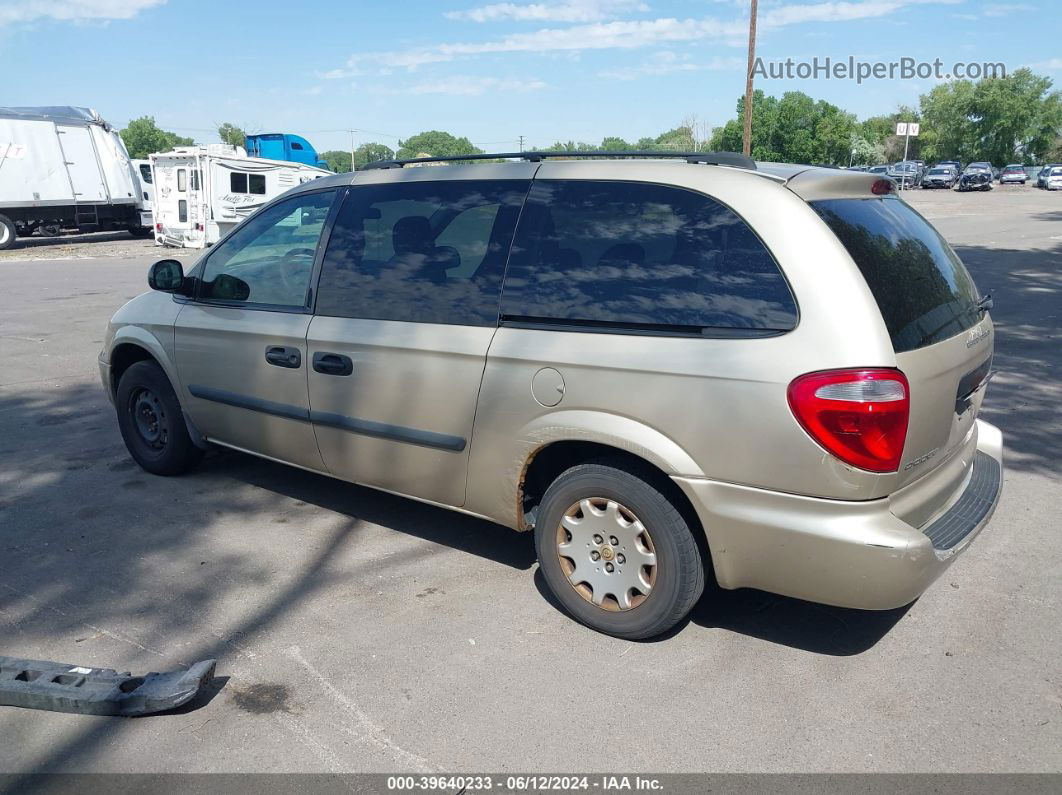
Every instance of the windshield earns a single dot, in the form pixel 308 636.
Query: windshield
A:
pixel 921 287
pixel 939 171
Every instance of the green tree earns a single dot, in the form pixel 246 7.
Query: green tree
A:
pixel 231 134
pixel 370 153
pixel 437 144
pixel 142 137
pixel 679 139
pixel 337 160
pixel 1002 120
pixel 612 143
pixel 865 152
pixel 570 146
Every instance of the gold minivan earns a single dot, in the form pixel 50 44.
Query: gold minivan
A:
pixel 657 364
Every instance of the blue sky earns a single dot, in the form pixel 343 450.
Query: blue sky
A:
pixel 549 70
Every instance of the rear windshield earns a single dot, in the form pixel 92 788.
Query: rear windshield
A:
pixel 923 291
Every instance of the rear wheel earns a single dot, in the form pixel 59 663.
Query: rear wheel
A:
pixel 151 422
pixel 7 232
pixel 49 230
pixel 616 553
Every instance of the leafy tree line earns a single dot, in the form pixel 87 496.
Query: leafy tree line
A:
pixel 1017 118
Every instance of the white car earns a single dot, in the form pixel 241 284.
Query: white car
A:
pixel 1054 179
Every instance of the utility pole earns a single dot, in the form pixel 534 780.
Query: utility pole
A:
pixel 352 150
pixel 746 139
pixel 521 143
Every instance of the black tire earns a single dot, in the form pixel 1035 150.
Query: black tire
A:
pixel 679 574
pixel 8 233
pixel 149 416
pixel 141 231
pixel 49 230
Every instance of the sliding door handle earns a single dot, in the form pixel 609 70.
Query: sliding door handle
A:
pixel 280 356
pixel 332 363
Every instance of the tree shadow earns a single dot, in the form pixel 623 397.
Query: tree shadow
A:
pixel 1024 397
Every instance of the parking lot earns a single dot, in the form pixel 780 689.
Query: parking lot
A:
pixel 358 631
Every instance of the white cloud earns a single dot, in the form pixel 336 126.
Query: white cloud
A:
pixel 569 11
pixel 666 62
pixel 15 11
pixel 838 11
pixel 626 34
pixel 1003 9
pixel 470 86
pixel 1050 65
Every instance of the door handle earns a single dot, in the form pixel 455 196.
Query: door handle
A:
pixel 332 363
pixel 280 356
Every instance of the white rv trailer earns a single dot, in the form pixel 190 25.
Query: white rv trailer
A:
pixel 65 168
pixel 201 192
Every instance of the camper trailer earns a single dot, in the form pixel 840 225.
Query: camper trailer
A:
pixel 65 168
pixel 201 192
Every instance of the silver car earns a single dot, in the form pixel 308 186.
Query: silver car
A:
pixel 664 368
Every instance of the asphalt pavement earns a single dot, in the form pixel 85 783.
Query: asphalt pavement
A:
pixel 358 631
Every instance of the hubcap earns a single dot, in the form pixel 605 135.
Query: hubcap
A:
pixel 5 234
pixel 606 554
pixel 149 418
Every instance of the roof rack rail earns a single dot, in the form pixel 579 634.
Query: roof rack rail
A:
pixel 708 158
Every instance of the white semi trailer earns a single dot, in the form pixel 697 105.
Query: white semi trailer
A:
pixel 65 168
pixel 201 192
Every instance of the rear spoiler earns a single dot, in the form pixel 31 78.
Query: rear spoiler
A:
pixel 829 183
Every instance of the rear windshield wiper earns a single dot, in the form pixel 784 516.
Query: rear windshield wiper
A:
pixel 985 303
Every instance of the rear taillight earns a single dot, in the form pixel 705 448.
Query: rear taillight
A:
pixel 860 416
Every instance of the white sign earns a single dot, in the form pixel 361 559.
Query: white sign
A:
pixel 912 129
pixel 905 128
pixel 901 128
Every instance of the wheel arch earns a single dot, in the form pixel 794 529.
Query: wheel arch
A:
pixel 549 460
pixel 138 346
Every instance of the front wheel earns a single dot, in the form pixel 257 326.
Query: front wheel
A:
pixel 615 551
pixel 151 422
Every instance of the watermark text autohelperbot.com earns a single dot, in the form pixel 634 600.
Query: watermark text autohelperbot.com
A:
pixel 852 69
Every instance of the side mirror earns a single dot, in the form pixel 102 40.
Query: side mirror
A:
pixel 167 276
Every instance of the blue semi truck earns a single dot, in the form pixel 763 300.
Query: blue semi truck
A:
pixel 283 146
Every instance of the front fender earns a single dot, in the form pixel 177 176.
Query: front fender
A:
pixel 146 321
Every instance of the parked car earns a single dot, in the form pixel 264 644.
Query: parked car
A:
pixel 954 163
pixel 907 174
pixel 940 177
pixel 1041 179
pixel 882 169
pixel 1013 173
pixel 1054 179
pixel 606 353
pixel 977 176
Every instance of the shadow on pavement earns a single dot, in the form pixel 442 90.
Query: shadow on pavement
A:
pixel 1024 397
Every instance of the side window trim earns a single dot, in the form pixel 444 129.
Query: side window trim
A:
pixel 311 290
pixel 634 328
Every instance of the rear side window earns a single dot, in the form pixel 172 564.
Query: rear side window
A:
pixel 431 252
pixel 237 183
pixel 922 288
pixel 145 173
pixel 182 180
pixel 256 184
pixel 630 255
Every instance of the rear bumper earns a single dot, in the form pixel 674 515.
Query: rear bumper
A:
pixel 848 554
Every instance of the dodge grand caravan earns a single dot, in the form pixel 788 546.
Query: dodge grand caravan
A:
pixel 661 367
